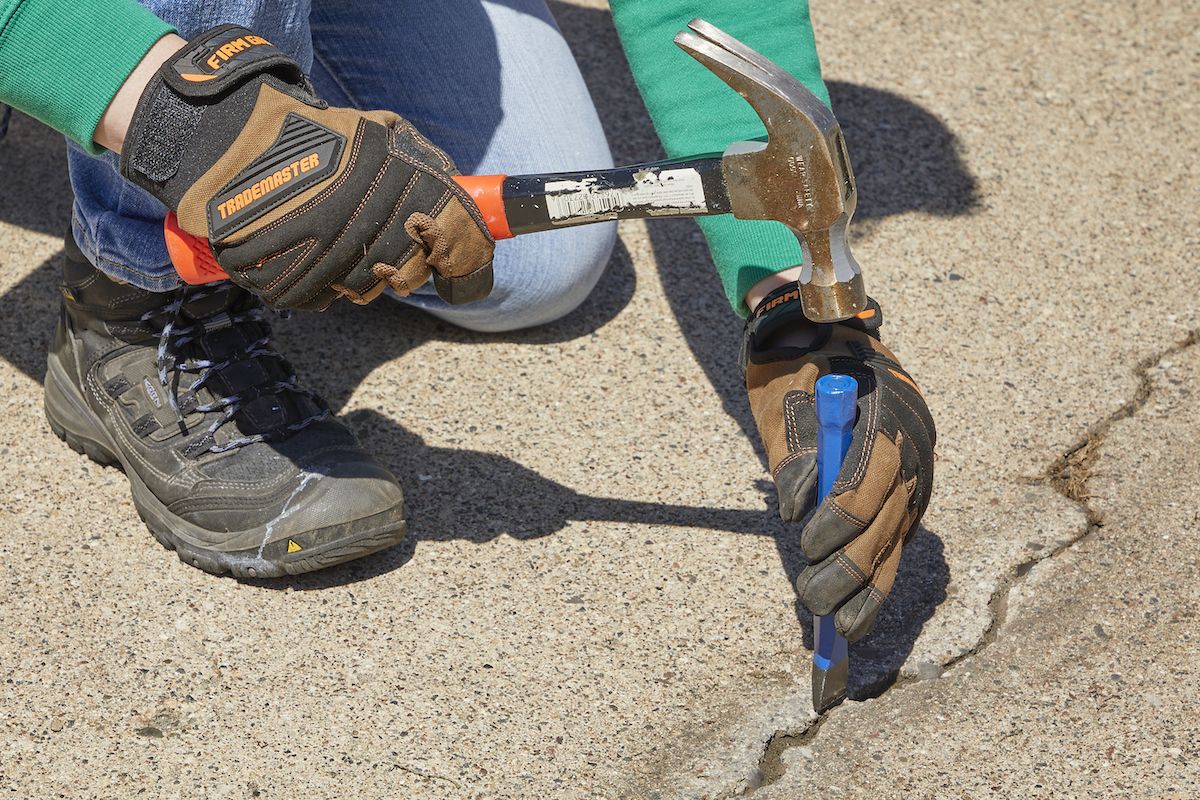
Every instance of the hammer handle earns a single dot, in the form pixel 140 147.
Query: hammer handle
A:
pixel 516 204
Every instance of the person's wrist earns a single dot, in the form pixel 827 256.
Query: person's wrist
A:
pixel 114 123
pixel 760 290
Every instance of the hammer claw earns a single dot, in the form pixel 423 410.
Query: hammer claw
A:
pixel 710 39
pixel 800 177
pixel 740 67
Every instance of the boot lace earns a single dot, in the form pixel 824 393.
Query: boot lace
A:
pixel 178 332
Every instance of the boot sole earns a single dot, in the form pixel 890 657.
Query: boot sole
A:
pixel 74 423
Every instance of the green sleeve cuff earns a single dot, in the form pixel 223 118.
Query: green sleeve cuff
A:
pixel 695 112
pixel 63 63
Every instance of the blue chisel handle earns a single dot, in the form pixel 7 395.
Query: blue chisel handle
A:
pixel 836 405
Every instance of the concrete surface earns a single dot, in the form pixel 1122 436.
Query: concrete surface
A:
pixel 595 598
pixel 1090 688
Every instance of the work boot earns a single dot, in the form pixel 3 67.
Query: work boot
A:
pixel 231 463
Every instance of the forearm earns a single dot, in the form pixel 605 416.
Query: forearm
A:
pixel 695 112
pixel 64 63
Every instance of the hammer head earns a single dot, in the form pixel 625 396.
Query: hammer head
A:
pixel 800 176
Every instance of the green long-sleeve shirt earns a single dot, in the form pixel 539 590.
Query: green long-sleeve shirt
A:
pixel 62 63
pixel 694 112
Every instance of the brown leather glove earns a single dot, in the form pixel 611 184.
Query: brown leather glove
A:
pixel 853 540
pixel 302 203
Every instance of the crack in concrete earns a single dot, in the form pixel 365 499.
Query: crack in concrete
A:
pixel 1068 475
pixel 771 764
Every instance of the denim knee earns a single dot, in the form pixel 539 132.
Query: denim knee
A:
pixel 539 277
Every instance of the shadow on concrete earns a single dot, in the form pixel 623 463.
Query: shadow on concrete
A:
pixel 35 193
pixel 920 587
pixel 904 159
pixel 480 496
pixel 28 311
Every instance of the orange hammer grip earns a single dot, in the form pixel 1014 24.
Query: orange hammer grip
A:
pixel 191 256
pixel 194 261
pixel 485 190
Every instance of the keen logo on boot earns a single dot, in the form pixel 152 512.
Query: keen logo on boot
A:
pixel 151 393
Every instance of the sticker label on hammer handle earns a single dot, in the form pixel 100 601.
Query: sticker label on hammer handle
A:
pixel 654 192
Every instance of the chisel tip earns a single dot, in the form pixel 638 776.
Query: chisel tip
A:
pixel 829 685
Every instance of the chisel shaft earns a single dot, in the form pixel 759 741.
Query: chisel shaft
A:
pixel 836 405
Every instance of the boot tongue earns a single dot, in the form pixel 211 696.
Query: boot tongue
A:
pixel 212 302
pixel 110 307
pixel 225 335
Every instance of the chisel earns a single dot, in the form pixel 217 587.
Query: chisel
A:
pixel 836 404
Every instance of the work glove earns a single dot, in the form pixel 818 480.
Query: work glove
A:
pixel 853 540
pixel 302 203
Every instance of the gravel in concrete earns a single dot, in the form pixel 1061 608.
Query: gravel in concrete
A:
pixel 595 598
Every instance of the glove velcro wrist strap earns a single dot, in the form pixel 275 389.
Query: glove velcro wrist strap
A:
pixel 782 308
pixel 224 58
pixel 209 69
pixel 869 320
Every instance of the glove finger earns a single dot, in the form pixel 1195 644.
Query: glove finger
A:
pixel 796 483
pixel 842 517
pixel 458 251
pixel 868 563
pixel 856 617
pixel 405 278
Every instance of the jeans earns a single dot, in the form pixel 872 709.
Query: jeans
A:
pixel 490 82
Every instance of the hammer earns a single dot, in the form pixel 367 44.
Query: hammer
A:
pixel 800 176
